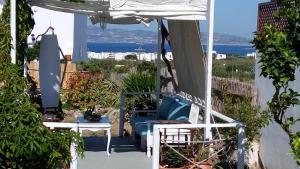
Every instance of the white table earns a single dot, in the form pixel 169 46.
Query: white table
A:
pixel 102 124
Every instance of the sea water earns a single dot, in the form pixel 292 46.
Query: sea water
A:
pixel 240 50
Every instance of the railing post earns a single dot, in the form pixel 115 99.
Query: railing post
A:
pixel 241 146
pixel 159 51
pixel 208 79
pixel 73 164
pixel 156 147
pixel 122 115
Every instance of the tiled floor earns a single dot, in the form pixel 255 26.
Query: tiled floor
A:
pixel 124 155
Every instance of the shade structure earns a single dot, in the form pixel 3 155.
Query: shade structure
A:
pixel 49 73
pixel 126 9
pixel 188 57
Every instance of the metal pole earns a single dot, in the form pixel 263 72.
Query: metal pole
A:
pixel 241 147
pixel 207 131
pixel 122 116
pixel 13 51
pixel 158 63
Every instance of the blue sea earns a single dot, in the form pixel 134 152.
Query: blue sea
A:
pixel 240 50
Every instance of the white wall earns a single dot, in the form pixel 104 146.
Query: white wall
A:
pixel 274 142
pixel 63 24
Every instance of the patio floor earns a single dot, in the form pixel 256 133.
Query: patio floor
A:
pixel 124 155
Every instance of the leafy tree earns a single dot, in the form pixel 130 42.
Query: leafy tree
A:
pixel 24 141
pixel 279 58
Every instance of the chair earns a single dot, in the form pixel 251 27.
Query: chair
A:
pixel 171 108
pixel 171 135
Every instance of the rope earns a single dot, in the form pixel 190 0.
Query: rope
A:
pixel 196 164
pixel 213 119
pixel 177 152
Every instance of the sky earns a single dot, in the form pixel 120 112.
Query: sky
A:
pixel 234 17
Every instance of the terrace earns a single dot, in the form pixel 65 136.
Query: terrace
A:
pixel 194 71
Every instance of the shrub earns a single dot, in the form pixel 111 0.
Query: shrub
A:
pixel 105 66
pixel 241 109
pixel 238 68
pixel 141 81
pixel 171 158
pixel 131 57
pixel 25 142
pixel 87 90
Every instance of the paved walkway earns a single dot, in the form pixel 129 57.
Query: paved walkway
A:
pixel 124 155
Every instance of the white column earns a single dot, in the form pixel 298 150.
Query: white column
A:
pixel 156 147
pixel 80 38
pixel 74 155
pixel 158 63
pixel 211 4
pixel 13 51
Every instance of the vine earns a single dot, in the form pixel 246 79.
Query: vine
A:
pixel 280 58
pixel 25 23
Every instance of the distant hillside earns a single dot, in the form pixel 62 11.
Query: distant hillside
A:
pixel 121 36
pixel 221 38
pixel 95 34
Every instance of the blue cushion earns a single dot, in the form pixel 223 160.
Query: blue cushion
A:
pixel 179 111
pixel 164 106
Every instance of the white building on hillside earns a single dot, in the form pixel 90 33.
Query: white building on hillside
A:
pixel 71 33
pixel 221 56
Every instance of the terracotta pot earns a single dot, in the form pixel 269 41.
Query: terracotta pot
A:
pixel 206 165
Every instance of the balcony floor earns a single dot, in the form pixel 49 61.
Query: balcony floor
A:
pixel 124 155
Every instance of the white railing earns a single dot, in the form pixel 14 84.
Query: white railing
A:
pixel 156 138
pixel 73 127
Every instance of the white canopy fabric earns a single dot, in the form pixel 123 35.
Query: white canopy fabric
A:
pixel 138 9
pixel 188 57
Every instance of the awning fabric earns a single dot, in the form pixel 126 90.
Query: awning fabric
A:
pixel 188 57
pixel 138 9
